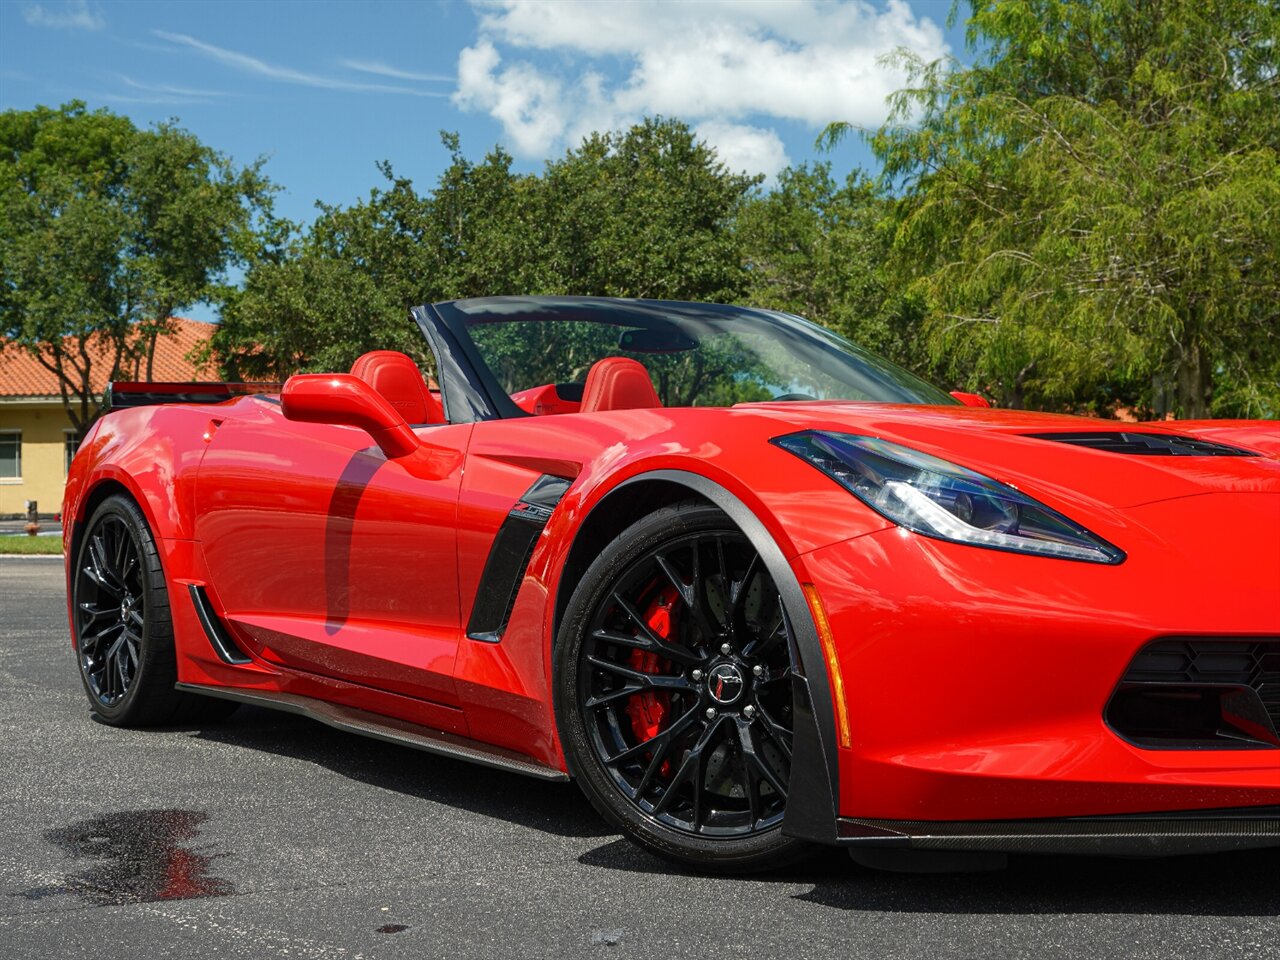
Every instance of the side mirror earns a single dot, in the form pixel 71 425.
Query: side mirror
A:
pixel 970 399
pixel 343 399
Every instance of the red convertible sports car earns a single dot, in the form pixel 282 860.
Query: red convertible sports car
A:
pixel 752 587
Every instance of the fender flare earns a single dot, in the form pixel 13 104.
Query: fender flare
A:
pixel 812 799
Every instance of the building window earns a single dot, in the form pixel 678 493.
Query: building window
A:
pixel 11 455
pixel 70 445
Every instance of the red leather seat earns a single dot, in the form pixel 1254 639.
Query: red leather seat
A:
pixel 398 379
pixel 617 383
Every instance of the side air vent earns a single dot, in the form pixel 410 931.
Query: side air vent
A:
pixel 509 558
pixel 1145 444
pixel 1200 694
pixel 214 631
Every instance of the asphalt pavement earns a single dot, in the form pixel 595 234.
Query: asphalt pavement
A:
pixel 274 836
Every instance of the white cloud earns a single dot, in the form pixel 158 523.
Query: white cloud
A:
pixel 166 89
pixel 378 68
pixel 529 104
pixel 252 65
pixel 745 148
pixel 74 15
pixel 110 96
pixel 714 63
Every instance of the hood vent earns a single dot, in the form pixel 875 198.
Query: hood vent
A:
pixel 1145 444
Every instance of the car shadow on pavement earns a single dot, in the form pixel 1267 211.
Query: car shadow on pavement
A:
pixel 555 808
pixel 1229 884
pixel 1239 884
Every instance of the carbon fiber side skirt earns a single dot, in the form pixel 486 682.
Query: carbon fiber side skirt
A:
pixel 1150 835
pixel 381 727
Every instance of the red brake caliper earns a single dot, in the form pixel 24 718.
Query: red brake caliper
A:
pixel 650 711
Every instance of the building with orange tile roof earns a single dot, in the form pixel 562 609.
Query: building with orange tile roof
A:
pixel 38 439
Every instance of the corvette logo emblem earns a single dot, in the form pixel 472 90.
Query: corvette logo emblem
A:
pixel 725 683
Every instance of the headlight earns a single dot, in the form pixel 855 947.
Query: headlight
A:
pixel 944 500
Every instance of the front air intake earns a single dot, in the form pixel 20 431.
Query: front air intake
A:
pixel 1145 444
pixel 1200 694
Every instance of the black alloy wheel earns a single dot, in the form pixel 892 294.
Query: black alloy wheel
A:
pixel 123 629
pixel 111 606
pixel 674 690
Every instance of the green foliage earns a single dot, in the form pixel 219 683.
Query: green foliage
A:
pixel 1091 213
pixel 105 232
pixel 484 229
pixel 1086 218
pixel 818 249
pixel 645 213
pixel 648 212
pixel 320 299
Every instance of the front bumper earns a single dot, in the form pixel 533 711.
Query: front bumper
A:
pixel 976 681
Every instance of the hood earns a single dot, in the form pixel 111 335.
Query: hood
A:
pixel 1065 458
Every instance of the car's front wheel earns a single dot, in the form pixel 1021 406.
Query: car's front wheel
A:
pixel 673 692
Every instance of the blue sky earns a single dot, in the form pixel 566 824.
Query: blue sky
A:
pixel 324 90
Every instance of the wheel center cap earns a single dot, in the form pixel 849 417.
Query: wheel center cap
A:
pixel 725 683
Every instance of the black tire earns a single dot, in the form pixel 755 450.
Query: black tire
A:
pixel 678 603
pixel 122 626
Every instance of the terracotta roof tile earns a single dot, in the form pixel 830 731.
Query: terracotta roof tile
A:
pixel 21 375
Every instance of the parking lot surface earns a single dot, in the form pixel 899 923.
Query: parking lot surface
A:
pixel 273 836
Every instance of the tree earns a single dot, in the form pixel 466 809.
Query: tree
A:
pixel 647 212
pixel 485 230
pixel 106 231
pixel 1091 212
pixel 316 300
pixel 818 249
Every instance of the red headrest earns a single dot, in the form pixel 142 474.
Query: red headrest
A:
pixel 616 383
pixel 397 378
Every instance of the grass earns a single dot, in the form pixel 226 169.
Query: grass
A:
pixel 21 543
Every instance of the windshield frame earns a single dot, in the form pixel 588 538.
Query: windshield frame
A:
pixel 471 392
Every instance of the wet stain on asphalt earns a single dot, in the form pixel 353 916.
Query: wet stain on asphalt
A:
pixel 136 857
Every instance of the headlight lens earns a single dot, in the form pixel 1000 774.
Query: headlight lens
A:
pixel 945 500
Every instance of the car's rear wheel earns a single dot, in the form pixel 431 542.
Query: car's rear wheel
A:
pixel 673 691
pixel 123 627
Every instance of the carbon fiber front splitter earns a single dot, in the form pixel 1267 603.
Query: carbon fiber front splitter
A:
pixel 1134 835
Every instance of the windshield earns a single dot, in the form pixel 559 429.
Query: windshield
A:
pixel 699 355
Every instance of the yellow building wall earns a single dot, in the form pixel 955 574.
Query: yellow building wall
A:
pixel 43 439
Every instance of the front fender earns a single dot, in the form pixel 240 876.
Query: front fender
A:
pixel 812 799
